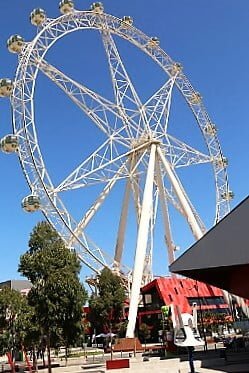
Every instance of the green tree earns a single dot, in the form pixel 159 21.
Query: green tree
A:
pixel 144 332
pixel 106 307
pixel 57 295
pixel 121 328
pixel 14 320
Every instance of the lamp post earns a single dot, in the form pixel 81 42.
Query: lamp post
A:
pixel 201 315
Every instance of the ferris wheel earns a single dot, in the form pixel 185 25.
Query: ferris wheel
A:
pixel 138 149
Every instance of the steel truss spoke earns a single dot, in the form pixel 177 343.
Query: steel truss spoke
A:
pixel 96 206
pixel 63 222
pixel 157 108
pixel 100 166
pixel 180 154
pixel 101 111
pixel 88 252
pixel 125 94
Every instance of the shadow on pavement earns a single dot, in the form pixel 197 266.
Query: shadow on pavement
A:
pixel 222 360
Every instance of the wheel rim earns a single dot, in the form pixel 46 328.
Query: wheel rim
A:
pixel 30 154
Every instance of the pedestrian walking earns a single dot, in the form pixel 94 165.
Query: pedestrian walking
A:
pixel 191 358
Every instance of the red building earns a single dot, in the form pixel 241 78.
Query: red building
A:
pixel 178 291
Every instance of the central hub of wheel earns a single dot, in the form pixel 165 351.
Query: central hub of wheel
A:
pixel 144 141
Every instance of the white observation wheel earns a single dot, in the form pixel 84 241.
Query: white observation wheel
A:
pixel 138 149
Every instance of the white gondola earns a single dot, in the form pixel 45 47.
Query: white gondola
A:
pixel 6 87
pixel 153 42
pixel 175 68
pixel 221 162
pixel 210 129
pixel 31 203
pixel 228 196
pixel 97 8
pixel 195 98
pixel 38 17
pixel 126 21
pixel 15 43
pixel 9 144
pixel 66 6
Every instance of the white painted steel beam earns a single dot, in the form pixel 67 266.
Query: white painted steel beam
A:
pixel 142 239
pixel 179 190
pixel 122 226
pixel 165 214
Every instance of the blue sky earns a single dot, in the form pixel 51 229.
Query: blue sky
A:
pixel 209 37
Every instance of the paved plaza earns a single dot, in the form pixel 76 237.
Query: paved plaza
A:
pixel 137 365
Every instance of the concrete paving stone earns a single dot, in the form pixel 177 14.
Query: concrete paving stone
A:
pixel 137 365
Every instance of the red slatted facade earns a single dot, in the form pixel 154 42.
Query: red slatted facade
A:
pixel 178 290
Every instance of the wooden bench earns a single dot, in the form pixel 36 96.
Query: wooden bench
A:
pixel 128 345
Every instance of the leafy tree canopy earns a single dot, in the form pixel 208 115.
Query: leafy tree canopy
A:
pixel 106 308
pixel 57 294
pixel 14 319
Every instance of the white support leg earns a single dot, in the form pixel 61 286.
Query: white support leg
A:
pixel 135 189
pixel 179 190
pixel 142 238
pixel 122 226
pixel 165 214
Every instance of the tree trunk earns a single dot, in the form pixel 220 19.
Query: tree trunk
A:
pixel 43 356
pixel 34 359
pixel 49 357
pixel 66 353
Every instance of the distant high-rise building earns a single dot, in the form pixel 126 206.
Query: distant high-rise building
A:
pixel 20 285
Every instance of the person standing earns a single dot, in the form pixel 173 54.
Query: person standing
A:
pixel 191 358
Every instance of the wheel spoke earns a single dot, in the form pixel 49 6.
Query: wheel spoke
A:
pixel 105 114
pixel 125 94
pixel 87 251
pixel 99 167
pixel 96 205
pixel 180 154
pixel 157 108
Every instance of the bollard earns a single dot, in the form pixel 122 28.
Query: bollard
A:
pixel 223 353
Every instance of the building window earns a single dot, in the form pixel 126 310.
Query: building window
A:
pixel 147 298
pixel 176 291
pixel 206 301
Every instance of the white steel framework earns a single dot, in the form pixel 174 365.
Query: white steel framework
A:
pixel 137 147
